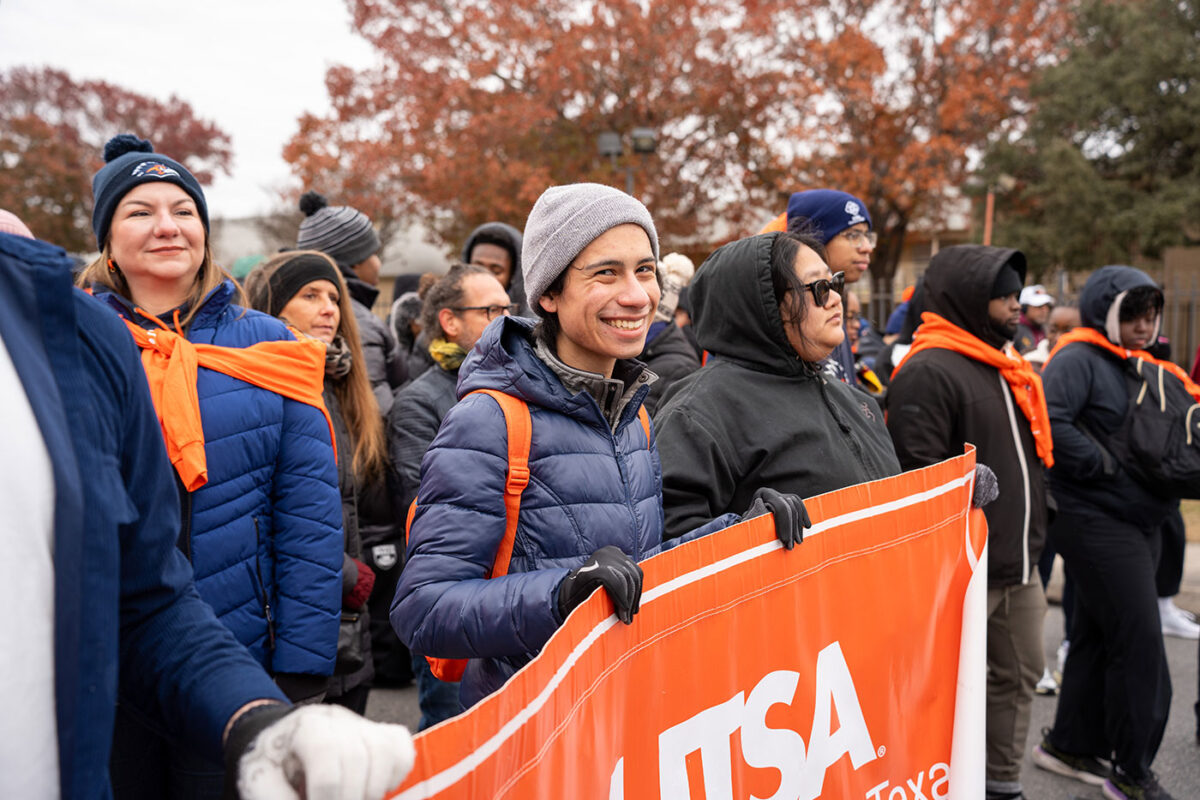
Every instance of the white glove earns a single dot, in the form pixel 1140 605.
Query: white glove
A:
pixel 325 752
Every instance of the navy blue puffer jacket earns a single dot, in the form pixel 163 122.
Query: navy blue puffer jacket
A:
pixel 264 535
pixel 589 487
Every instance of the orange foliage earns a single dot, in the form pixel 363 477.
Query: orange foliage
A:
pixel 907 108
pixel 477 106
pixel 52 134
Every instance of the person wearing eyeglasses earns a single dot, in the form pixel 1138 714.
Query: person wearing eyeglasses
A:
pixel 841 222
pixel 458 307
pixel 762 413
pixel 963 381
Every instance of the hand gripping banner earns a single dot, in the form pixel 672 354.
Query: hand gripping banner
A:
pixel 852 666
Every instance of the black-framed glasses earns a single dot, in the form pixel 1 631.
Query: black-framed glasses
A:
pixel 820 289
pixel 856 237
pixel 491 311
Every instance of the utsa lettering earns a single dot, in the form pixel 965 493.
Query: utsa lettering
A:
pixel 802 767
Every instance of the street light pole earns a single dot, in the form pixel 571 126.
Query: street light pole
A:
pixel 644 141
pixel 989 211
pixel 1004 183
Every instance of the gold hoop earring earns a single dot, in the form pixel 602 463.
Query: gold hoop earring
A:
pixel 111 266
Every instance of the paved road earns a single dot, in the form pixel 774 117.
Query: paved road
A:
pixel 1178 762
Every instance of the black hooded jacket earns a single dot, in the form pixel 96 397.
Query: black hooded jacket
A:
pixel 939 400
pixel 670 356
pixel 378 345
pixel 757 415
pixel 510 239
pixel 1085 388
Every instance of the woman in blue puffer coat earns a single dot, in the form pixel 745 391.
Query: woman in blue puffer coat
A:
pixel 262 514
pixel 593 504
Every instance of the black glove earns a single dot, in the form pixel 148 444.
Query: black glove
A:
pixel 987 488
pixel 302 688
pixel 791 517
pixel 242 733
pixel 609 567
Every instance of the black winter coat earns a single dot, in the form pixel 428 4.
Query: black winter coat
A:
pixel 756 415
pixel 416 415
pixel 670 356
pixel 1085 387
pixel 384 369
pixel 940 400
pixel 343 681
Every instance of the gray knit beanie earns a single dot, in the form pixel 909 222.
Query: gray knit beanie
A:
pixel 340 232
pixel 565 220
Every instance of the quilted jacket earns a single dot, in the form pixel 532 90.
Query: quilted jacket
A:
pixel 589 487
pixel 264 535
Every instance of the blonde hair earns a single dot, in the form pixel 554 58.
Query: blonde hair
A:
pixel 353 392
pixel 208 277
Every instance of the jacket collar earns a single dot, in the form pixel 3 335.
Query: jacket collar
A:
pixel 611 394
pixel 211 306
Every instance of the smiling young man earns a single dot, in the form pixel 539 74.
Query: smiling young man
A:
pixel 593 504
pixel 961 382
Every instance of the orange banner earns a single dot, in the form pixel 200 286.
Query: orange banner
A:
pixel 848 667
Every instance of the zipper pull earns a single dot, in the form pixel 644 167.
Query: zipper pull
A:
pixel 270 625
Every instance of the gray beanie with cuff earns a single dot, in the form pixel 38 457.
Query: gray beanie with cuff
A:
pixel 565 220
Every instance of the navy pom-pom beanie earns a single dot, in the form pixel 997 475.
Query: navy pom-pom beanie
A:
pixel 130 162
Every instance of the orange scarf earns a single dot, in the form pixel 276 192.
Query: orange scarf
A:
pixel 293 369
pixel 1093 336
pixel 938 332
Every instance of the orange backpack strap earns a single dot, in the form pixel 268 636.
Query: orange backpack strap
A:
pixel 644 418
pixel 412 512
pixel 520 432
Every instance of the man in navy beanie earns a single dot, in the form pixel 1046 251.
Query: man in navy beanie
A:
pixel 842 223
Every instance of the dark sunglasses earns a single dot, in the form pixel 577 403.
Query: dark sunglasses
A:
pixel 820 289
pixel 491 311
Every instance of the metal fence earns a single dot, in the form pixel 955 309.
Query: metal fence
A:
pixel 1181 317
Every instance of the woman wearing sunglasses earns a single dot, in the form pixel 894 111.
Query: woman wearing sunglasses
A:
pixel 761 413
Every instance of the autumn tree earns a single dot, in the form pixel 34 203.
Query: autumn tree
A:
pixel 1109 166
pixel 52 134
pixel 912 92
pixel 477 106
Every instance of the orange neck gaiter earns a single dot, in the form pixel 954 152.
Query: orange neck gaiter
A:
pixel 293 369
pixel 1095 337
pixel 938 332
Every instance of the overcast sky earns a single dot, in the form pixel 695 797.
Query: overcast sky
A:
pixel 250 66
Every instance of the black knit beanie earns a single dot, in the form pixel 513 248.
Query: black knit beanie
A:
pixel 1008 281
pixel 293 275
